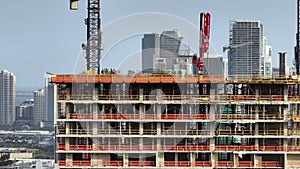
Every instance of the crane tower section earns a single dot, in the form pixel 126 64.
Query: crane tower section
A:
pixel 203 40
pixel 93 46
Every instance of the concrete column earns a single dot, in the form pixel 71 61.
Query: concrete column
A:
pixel 192 159
pixel 285 93
pixel 212 144
pixel 95 111
pixel 141 130
pixel 256 142
pixel 95 132
pixel 141 143
pixel 255 161
pixel 142 157
pixel 212 94
pixel 95 160
pixel 67 143
pixel 158 144
pixel 95 92
pixel 125 160
pixel 95 128
pixel 256 124
pixel 160 159
pixel 214 160
pixel 141 113
pixel 141 94
pixel 67 128
pixel 285 129
pixel 158 109
pixel 235 160
pixel 69 159
pixel 285 161
pixel 158 128
pixel 285 144
pixel 257 94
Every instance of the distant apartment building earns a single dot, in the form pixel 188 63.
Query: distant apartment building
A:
pixel 275 71
pixel 248 50
pixel 39 106
pixel 24 111
pixel 267 59
pixel 169 46
pixel 49 100
pixel 150 51
pixel 215 65
pixel 160 53
pixel 7 98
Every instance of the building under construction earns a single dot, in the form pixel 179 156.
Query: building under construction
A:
pixel 171 121
pixel 175 120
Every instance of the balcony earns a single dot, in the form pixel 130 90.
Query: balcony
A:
pixel 141 163
pixel 177 163
pixel 81 163
pixel 165 148
pixel 224 164
pixel 137 117
pixel 269 164
pixel 246 164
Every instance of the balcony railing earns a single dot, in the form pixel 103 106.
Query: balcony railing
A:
pixel 137 116
pixel 79 163
pixel 221 148
pixel 62 147
pixel 141 163
pixel 245 164
pixel 202 163
pixel 224 164
pixel 119 131
pixel 182 97
pixel 164 117
pixel 177 163
pixel 270 164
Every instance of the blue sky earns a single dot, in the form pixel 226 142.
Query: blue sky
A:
pixel 38 36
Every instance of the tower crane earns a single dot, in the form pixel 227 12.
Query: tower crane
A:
pixel 203 41
pixel 93 45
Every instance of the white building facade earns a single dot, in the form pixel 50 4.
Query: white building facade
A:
pixel 7 98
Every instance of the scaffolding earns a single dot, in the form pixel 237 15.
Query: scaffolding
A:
pixel 175 121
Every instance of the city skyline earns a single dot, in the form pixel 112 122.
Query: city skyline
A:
pixel 51 42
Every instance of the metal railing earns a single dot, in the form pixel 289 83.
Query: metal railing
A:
pixel 176 148
pixel 189 98
pixel 136 116
pixel 169 148
pixel 168 132
pixel 270 164
pixel 144 78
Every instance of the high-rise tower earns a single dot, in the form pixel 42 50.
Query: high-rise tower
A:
pixel 7 98
pixel 39 106
pixel 247 45
pixel 150 51
pixel 169 46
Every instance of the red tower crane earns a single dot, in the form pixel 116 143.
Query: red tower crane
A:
pixel 203 41
pixel 93 45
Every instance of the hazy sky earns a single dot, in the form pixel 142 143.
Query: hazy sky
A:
pixel 38 36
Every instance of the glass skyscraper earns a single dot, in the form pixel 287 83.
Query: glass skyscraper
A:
pixel 247 49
